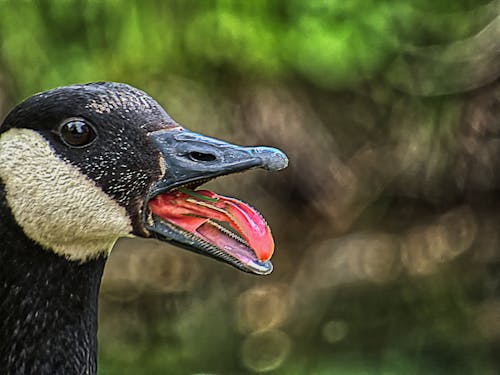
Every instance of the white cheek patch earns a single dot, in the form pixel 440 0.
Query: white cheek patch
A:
pixel 54 203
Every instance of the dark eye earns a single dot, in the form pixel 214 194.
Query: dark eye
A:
pixel 77 132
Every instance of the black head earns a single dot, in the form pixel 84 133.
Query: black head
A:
pixel 81 163
pixel 101 128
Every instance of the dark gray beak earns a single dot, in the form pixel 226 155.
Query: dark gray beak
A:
pixel 191 159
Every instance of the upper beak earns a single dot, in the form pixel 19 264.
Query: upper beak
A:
pixel 191 157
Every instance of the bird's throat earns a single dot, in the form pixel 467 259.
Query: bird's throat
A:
pixel 48 306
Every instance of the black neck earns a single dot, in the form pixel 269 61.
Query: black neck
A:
pixel 48 306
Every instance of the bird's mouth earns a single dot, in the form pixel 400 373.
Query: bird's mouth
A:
pixel 212 224
pixel 200 220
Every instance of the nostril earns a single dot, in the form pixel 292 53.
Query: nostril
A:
pixel 200 156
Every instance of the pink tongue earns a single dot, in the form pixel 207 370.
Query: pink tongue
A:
pixel 191 212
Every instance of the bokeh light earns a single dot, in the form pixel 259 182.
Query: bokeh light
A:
pixel 265 351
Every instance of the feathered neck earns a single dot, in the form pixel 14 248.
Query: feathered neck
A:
pixel 48 306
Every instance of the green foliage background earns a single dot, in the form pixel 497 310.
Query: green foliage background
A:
pixel 331 43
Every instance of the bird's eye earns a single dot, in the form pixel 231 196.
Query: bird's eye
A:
pixel 77 132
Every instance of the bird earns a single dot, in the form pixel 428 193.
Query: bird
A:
pixel 86 164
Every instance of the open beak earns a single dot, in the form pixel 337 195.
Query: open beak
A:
pixel 200 220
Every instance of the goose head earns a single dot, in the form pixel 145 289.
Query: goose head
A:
pixel 84 165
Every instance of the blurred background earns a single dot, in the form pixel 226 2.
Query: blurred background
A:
pixel 387 221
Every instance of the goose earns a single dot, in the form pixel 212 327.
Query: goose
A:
pixel 80 167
